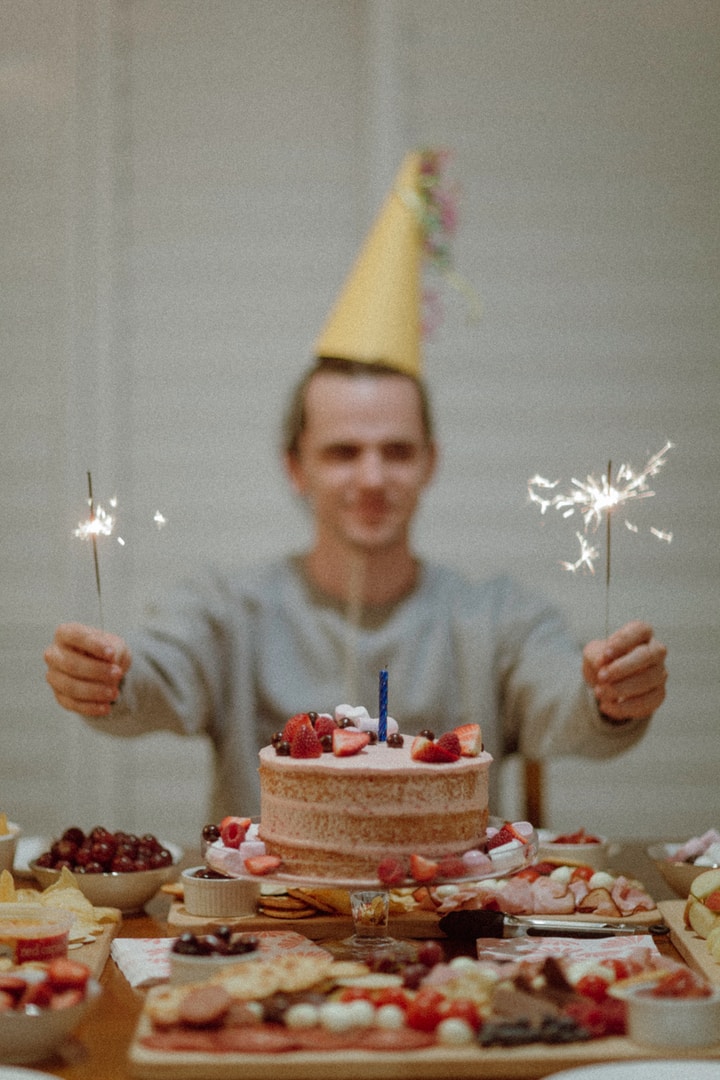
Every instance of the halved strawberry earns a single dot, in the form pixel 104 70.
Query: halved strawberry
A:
pixel 450 742
pixel 505 835
pixel 426 750
pixel 325 725
pixel 422 869
pixel 347 741
pixel 294 724
pixel 262 864
pixel 452 866
pixel 391 871
pixel 470 736
pixel 305 744
pixel 233 830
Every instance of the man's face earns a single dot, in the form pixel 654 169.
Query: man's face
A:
pixel 363 458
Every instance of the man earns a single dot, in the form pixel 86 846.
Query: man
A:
pixel 235 655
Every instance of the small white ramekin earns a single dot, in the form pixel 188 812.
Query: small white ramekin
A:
pixel 675 1022
pixel 221 898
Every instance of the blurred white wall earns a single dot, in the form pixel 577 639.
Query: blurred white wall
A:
pixel 183 189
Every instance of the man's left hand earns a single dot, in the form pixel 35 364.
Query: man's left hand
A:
pixel 626 672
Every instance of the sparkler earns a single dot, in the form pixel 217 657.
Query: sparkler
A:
pixel 102 523
pixel 594 500
pixel 99 523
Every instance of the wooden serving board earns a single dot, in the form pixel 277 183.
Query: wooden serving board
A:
pixel 692 948
pixel 436 1063
pixel 95 953
pixel 412 924
pixel 420 924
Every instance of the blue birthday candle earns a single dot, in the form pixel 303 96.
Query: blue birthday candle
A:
pixel 382 721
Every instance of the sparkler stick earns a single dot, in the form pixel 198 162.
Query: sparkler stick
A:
pixel 608 518
pixel 93 536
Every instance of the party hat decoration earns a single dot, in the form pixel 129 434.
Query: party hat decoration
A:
pixel 378 316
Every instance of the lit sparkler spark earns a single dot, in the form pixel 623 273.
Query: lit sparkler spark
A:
pixel 588 553
pixel 594 499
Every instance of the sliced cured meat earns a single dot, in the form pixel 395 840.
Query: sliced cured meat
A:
pixel 257 1039
pixel 204 1006
pixel 600 902
pixel 551 897
pixel 402 1039
pixel 630 898
pixel 516 897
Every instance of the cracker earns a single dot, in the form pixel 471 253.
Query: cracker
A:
pixel 8 893
pixel 283 903
pixel 298 972
pixel 330 901
pixel 271 913
pixel 250 981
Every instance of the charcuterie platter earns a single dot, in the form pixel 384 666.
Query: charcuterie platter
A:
pixel 432 1063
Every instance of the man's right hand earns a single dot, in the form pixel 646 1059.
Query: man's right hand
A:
pixel 85 668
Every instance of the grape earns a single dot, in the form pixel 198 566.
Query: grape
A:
pixel 100 851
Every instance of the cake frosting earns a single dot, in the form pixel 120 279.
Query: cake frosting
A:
pixel 337 817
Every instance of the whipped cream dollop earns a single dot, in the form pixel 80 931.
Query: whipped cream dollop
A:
pixel 361 719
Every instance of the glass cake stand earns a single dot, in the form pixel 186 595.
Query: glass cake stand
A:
pixel 370 900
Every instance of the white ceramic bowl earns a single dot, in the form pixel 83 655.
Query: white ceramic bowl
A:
pixel 677 1022
pixel 219 898
pixel 185 969
pixel 595 855
pixel 26 1038
pixel 8 843
pixel 678 875
pixel 127 891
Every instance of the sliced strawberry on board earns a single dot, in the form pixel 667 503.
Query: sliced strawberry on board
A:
pixel 66 999
pixel 422 869
pixel 294 724
pixel 67 974
pixel 347 741
pixel 305 744
pixel 391 871
pixel 262 864
pixel 470 736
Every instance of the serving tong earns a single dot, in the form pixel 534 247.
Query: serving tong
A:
pixel 477 924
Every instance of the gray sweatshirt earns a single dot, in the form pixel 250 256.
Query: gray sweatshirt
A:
pixel 233 655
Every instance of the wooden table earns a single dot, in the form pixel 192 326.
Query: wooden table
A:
pixel 99 1049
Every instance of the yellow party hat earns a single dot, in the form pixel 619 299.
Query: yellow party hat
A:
pixel 378 316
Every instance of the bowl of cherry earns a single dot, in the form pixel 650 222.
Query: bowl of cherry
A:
pixel 112 869
pixel 197 956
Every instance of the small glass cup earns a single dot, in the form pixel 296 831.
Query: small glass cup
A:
pixel 370 910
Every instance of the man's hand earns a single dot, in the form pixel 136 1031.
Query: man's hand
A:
pixel 627 672
pixel 85 668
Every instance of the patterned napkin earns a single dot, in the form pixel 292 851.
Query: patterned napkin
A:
pixel 146 961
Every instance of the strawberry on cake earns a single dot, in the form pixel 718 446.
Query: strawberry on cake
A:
pixel 336 803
